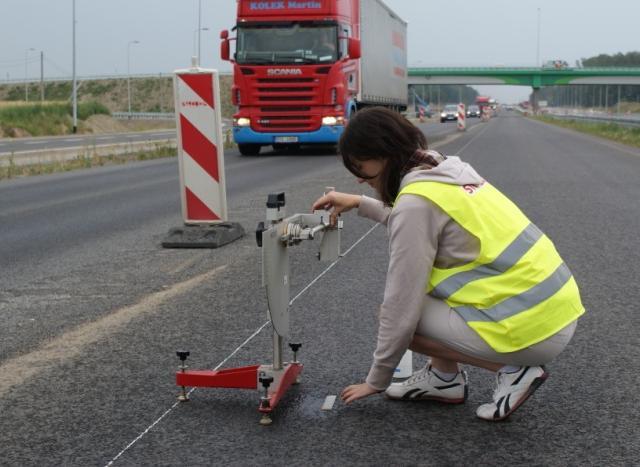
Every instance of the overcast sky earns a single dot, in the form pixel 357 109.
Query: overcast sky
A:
pixel 441 33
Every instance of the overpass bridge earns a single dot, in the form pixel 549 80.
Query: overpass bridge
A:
pixel 533 77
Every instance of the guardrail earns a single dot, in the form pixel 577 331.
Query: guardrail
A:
pixel 631 120
pixel 143 115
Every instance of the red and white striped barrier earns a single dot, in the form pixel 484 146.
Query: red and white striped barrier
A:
pixel 200 146
pixel 462 116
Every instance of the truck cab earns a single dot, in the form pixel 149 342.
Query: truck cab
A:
pixel 294 71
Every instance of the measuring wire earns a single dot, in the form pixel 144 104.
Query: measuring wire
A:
pixel 249 339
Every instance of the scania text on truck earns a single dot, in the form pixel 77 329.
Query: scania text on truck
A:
pixel 302 68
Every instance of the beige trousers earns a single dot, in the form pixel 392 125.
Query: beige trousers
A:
pixel 440 323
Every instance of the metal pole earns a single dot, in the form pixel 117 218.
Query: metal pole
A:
pixel 413 96
pixel 74 89
pixel 129 78
pixel 129 74
pixel 618 111
pixel 26 73
pixel 161 93
pixel 600 100
pixel 196 53
pixel 199 27
pixel 42 76
pixel 538 41
pixel 26 89
pixel 606 98
pixel 195 48
pixel 277 351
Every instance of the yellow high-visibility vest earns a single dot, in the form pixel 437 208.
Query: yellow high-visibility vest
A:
pixel 518 291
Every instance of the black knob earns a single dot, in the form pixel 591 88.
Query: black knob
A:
pixel 259 229
pixel 275 200
pixel 295 347
pixel 182 354
pixel 266 381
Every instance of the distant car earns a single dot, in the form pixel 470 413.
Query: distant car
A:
pixel 473 111
pixel 450 112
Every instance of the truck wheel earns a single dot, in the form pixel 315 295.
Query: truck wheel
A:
pixel 249 149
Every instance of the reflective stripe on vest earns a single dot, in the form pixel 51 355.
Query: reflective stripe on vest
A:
pixel 518 291
pixel 507 259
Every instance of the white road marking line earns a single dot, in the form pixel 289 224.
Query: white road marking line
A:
pixel 75 140
pixel 141 435
pixel 184 265
pixel 33 142
pixel 71 343
pixel 328 403
pixel 471 140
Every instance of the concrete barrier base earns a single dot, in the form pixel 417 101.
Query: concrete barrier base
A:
pixel 203 236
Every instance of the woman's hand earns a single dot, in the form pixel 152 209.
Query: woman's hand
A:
pixel 356 391
pixel 338 203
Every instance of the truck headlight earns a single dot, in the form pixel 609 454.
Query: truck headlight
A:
pixel 332 120
pixel 242 121
pixel 443 115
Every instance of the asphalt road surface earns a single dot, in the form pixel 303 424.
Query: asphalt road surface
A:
pixel 93 310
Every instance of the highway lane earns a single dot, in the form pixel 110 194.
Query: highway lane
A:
pixel 16 145
pixel 79 208
pixel 93 309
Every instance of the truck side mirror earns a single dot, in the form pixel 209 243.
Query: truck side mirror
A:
pixel 224 50
pixel 224 45
pixel 354 48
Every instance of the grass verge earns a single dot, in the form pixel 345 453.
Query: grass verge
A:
pixel 14 171
pixel 53 118
pixel 611 131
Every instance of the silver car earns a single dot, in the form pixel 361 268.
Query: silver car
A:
pixel 450 112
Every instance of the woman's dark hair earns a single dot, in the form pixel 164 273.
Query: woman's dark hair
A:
pixel 382 134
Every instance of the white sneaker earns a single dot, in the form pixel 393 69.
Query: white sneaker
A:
pixel 512 389
pixel 426 385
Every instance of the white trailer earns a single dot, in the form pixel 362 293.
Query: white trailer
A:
pixel 383 63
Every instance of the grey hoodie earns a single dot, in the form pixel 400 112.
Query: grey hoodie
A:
pixel 421 235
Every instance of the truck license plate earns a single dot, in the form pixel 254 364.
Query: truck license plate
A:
pixel 286 139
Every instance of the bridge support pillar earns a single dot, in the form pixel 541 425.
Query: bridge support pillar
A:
pixel 534 101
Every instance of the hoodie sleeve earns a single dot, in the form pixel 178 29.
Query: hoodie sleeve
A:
pixel 373 209
pixel 414 228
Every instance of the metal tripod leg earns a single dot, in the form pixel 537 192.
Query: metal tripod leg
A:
pixel 277 351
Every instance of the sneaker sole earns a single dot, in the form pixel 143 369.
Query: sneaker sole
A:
pixel 535 384
pixel 444 400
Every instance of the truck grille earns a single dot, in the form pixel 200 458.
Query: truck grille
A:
pixel 285 104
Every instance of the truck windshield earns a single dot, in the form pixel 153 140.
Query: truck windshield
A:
pixel 294 43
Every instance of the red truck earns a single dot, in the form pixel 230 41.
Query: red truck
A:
pixel 482 102
pixel 302 68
